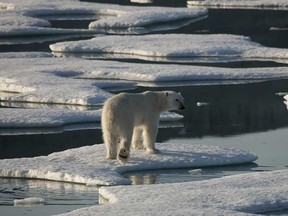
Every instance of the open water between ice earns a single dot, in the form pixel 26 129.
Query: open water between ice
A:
pixel 249 116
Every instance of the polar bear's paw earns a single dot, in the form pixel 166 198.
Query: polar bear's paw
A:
pixel 123 155
pixel 138 145
pixel 153 151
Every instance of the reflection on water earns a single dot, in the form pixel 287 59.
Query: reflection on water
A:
pixel 185 175
pixel 58 196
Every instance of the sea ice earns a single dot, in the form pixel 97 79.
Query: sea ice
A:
pixel 214 46
pixel 39 79
pixel 242 194
pixel 143 73
pixel 286 100
pixel 143 16
pixel 20 118
pixel 48 80
pixel 260 4
pixel 73 81
pixel 17 118
pixel 91 168
pixel 29 201
pixel 28 17
pixel 36 31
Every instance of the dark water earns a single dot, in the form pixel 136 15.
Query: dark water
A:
pixel 236 114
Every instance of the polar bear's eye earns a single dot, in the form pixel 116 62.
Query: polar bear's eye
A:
pixel 176 100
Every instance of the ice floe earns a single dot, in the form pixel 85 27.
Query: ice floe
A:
pixel 38 79
pixel 243 194
pixel 29 201
pixel 47 120
pixel 45 80
pixel 285 97
pixel 260 4
pixel 36 31
pixel 143 73
pixel 15 118
pixel 217 47
pixel 29 17
pixel 147 16
pixel 286 100
pixel 91 168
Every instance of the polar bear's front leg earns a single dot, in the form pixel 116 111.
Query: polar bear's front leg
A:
pixel 149 138
pixel 137 139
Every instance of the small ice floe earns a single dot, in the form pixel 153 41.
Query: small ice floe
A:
pixel 281 93
pixel 202 104
pixel 241 4
pixel 286 100
pixel 285 97
pixel 142 1
pixel 278 29
pixel 195 171
pixel 29 201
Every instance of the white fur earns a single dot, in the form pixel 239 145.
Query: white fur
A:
pixel 134 118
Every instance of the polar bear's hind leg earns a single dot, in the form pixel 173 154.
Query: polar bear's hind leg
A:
pixel 111 143
pixel 124 151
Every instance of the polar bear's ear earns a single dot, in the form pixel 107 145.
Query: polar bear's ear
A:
pixel 166 93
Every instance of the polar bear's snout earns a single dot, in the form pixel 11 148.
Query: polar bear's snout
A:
pixel 181 106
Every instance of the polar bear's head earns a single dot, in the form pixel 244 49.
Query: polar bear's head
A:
pixel 175 100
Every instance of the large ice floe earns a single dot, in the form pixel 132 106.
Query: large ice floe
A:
pixel 242 194
pixel 32 17
pixel 260 4
pixel 25 121
pixel 38 79
pixel 89 165
pixel 214 47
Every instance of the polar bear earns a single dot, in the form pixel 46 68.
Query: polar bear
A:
pixel 134 118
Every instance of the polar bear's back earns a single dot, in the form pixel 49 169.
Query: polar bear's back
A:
pixel 130 107
pixel 127 104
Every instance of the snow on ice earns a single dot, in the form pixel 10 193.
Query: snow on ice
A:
pixel 260 4
pixel 48 80
pixel 74 81
pixel 147 16
pixel 286 100
pixel 243 194
pixel 91 168
pixel 28 17
pixel 45 117
pixel 220 46
pixel 20 118
pixel 29 201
